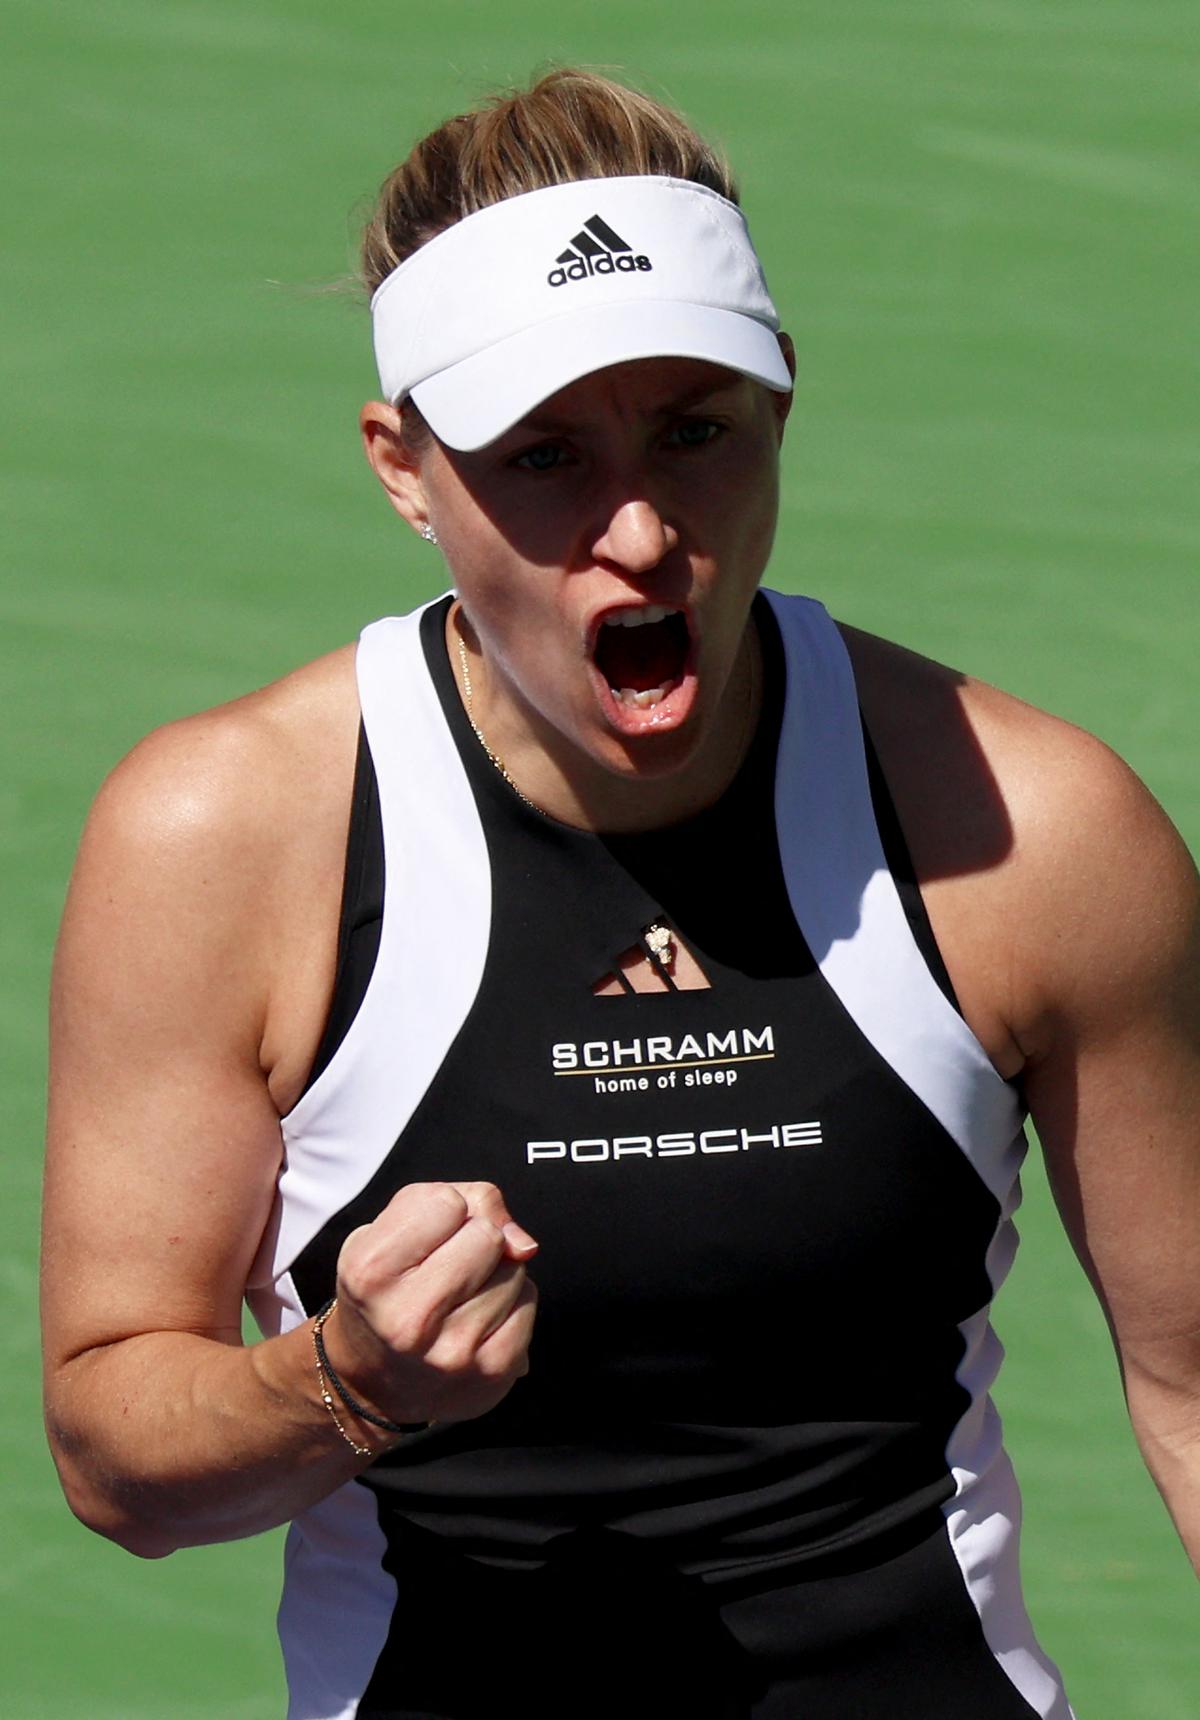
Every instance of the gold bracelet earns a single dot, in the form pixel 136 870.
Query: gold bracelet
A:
pixel 359 1410
pixel 326 1396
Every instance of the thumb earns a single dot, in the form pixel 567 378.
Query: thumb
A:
pixel 484 1200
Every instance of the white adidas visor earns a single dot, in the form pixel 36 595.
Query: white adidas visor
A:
pixel 506 307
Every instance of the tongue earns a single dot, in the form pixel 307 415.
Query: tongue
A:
pixel 642 657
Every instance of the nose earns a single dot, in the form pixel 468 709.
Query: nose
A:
pixel 635 537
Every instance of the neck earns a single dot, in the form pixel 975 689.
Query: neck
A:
pixel 558 779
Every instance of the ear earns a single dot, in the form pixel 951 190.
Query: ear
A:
pixel 783 402
pixel 394 463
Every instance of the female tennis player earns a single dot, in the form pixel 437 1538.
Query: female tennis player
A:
pixel 613 927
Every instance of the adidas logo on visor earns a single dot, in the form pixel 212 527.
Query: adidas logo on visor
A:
pixel 595 250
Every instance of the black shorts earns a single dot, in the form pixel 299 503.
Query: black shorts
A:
pixel 605 1629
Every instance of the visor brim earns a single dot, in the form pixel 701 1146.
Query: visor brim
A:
pixel 477 400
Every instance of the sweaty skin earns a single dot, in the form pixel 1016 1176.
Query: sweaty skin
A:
pixel 652 483
pixel 198 950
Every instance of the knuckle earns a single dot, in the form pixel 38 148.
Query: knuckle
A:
pixel 482 1231
pixel 352 1250
pixel 349 1287
pixel 483 1197
pixel 456 1354
pixel 411 1331
pixel 358 1271
pixel 507 1356
pixel 494 1365
pixel 446 1196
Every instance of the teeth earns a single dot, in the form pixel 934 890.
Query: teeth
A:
pixel 631 696
pixel 645 616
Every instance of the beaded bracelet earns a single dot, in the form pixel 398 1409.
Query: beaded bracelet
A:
pixel 327 1372
pixel 327 1400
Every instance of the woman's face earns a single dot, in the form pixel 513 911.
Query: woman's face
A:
pixel 605 553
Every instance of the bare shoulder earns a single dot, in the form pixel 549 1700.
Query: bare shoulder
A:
pixel 1068 911
pixel 190 984
pixel 915 702
pixel 209 873
pixel 1050 862
pixel 241 770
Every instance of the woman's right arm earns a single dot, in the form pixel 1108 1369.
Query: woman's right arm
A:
pixel 170 1020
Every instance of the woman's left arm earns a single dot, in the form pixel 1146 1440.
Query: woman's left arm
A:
pixel 1112 1038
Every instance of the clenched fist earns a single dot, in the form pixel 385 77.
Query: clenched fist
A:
pixel 435 1311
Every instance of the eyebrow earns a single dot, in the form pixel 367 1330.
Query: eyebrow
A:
pixel 544 424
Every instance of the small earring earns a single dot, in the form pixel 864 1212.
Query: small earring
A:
pixel 428 533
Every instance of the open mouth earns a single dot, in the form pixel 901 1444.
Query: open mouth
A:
pixel 642 653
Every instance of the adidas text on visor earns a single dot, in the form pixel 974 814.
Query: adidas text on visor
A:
pixel 506 307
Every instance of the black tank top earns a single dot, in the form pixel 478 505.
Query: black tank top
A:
pixel 757 1244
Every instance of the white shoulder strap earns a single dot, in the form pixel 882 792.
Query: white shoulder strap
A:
pixel 432 946
pixel 847 906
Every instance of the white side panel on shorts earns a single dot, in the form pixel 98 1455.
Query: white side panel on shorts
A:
pixel 849 909
pixel 334 1552
pixel 335 1548
pixel 432 947
pixel 984 1516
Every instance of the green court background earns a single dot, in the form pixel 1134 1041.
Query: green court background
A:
pixel 980 218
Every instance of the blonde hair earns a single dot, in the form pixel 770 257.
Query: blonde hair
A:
pixel 569 125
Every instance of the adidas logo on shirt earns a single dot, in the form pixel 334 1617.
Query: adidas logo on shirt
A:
pixel 595 250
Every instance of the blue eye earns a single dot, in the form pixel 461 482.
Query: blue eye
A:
pixel 545 457
pixel 695 432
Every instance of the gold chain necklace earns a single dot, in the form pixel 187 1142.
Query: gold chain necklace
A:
pixel 659 938
pixel 469 701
